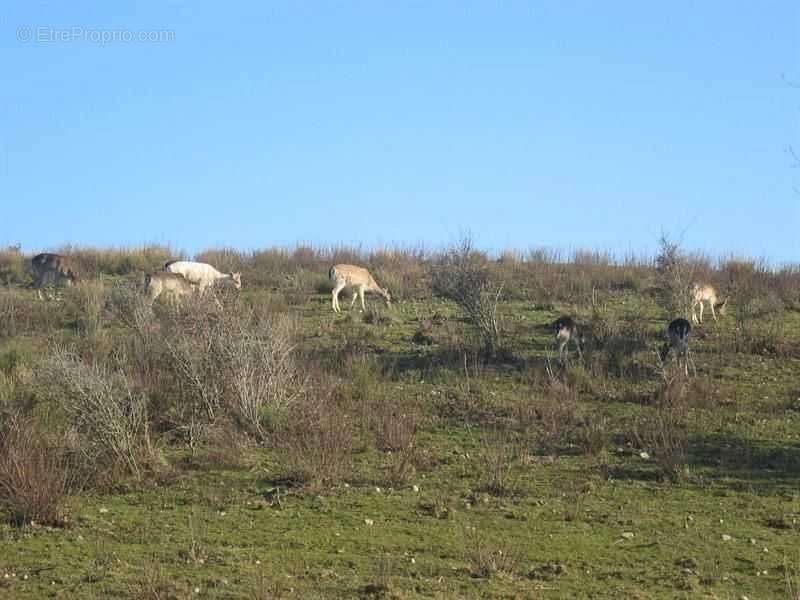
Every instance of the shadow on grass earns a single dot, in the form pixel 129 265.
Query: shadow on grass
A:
pixel 757 466
pixel 761 464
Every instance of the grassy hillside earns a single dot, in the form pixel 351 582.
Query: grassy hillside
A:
pixel 265 447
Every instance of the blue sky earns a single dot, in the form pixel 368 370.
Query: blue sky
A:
pixel 528 124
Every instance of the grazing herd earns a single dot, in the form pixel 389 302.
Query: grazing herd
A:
pixel 678 330
pixel 180 278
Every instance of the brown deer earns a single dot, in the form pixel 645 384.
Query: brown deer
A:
pixel 175 284
pixel 52 269
pixel 357 278
pixel 705 293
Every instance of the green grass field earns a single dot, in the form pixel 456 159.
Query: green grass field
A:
pixel 459 475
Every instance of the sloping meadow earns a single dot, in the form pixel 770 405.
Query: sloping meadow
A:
pixel 255 444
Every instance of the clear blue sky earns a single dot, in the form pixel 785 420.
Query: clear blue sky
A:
pixel 529 124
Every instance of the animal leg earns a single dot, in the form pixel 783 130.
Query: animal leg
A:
pixel 701 312
pixel 713 314
pixel 562 344
pixel 361 294
pixel 335 297
pixel 355 297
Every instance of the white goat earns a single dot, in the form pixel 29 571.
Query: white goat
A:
pixel 706 293
pixel 357 278
pixel 160 281
pixel 53 268
pixel 201 274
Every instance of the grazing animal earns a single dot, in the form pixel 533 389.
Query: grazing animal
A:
pixel 706 293
pixel 678 333
pixel 566 330
pixel 53 268
pixel 202 275
pixel 159 282
pixel 359 280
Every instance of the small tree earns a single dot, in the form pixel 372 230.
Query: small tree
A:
pixel 462 275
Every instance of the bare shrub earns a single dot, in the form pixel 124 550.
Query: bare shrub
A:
pixel 35 476
pixel 100 405
pixel 238 361
pixel 556 413
pixel 486 558
pixel 664 430
pixel 396 427
pixel 190 334
pixel 594 434
pixel 226 446
pixel 463 275
pixel 317 439
pixel 400 467
pixel 152 582
pixel 499 455
pixel 260 376
pixel 676 275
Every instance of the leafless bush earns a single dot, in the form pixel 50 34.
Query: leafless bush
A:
pixel 463 275
pixel 396 427
pixel 259 369
pixel 35 476
pixel 500 455
pixel 486 558
pixel 190 336
pixel 317 439
pixel 594 434
pixel 664 431
pixel 109 418
pixel 400 467
pixel 226 445
pixel 237 360
pixel 676 275
pixel 556 413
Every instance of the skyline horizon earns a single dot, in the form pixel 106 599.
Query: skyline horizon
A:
pixel 559 255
